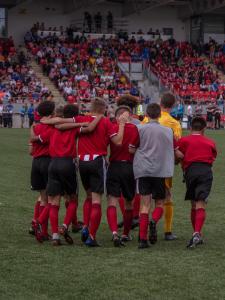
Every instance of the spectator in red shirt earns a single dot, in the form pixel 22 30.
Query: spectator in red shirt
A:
pixel 199 153
pixel 120 178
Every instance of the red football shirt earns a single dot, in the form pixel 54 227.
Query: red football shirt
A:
pixel 130 138
pixel 95 144
pixel 197 148
pixel 42 149
pixel 63 143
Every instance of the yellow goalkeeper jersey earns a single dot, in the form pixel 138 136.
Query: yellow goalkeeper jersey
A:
pixel 168 121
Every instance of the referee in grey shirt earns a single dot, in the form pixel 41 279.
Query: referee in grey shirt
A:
pixel 153 162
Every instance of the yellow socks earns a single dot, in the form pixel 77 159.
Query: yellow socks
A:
pixel 168 216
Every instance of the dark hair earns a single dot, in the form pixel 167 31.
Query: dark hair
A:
pixel 70 111
pixel 153 111
pixel 121 109
pixel 128 100
pixel 198 124
pixel 168 100
pixel 46 108
pixel 98 105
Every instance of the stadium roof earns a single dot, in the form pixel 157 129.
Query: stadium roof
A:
pixel 135 6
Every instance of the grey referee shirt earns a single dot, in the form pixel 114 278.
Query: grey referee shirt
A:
pixel 155 155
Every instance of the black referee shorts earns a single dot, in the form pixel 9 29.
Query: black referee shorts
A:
pixel 120 180
pixel 93 174
pixel 198 178
pixel 154 186
pixel 39 173
pixel 62 177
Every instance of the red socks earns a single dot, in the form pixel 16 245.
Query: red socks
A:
pixel 87 211
pixel 112 218
pixel 193 213
pixel 136 206
pixel 75 221
pixel 122 205
pixel 95 219
pixel 36 210
pixel 127 221
pixel 143 226
pixel 157 214
pixel 200 216
pixel 43 218
pixel 70 212
pixel 54 215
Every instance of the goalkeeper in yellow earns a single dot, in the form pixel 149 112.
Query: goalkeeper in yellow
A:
pixel 167 103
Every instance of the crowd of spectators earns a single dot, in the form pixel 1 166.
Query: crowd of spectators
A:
pixel 84 68
pixel 18 83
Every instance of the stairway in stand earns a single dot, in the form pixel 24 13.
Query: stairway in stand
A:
pixel 58 98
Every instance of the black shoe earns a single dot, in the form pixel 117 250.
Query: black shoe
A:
pixel 64 232
pixel 117 241
pixel 195 241
pixel 120 224
pixel 143 244
pixel 126 238
pixel 135 223
pixel 32 228
pixel 78 227
pixel 152 233
pixel 169 236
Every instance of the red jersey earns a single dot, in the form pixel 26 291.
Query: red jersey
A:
pixel 95 144
pixel 130 139
pixel 42 149
pixel 197 148
pixel 63 143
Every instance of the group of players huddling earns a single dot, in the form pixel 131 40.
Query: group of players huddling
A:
pixel 137 175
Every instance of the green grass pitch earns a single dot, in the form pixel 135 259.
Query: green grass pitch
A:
pixel 166 271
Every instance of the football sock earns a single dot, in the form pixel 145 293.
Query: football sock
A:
pixel 157 214
pixel 199 219
pixel 193 214
pixel 44 214
pixel 143 224
pixel 70 212
pixel 44 225
pixel 75 220
pixel 36 210
pixel 122 205
pixel 54 216
pixel 127 221
pixel 136 206
pixel 95 219
pixel 112 218
pixel 168 216
pixel 87 211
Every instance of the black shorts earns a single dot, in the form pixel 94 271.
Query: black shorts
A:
pixel 154 186
pixel 39 173
pixel 120 180
pixel 93 174
pixel 62 177
pixel 198 178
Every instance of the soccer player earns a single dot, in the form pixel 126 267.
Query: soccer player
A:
pixel 120 178
pixel 40 163
pixel 132 103
pixel 199 153
pixel 92 149
pixel 153 163
pixel 167 103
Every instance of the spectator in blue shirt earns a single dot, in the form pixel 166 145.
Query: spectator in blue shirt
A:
pixel 30 114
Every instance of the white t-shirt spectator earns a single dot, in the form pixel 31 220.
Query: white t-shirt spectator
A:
pixel 189 111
